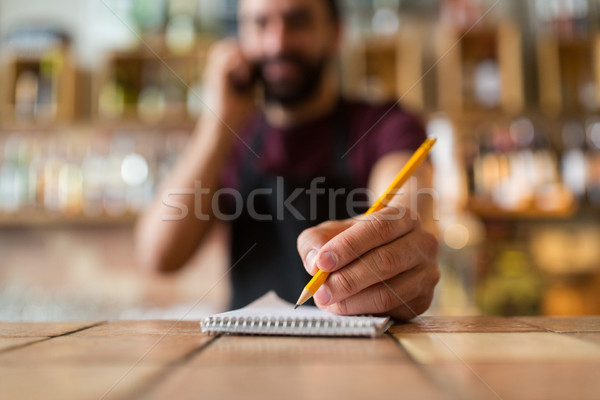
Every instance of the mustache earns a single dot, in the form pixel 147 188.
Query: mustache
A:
pixel 291 58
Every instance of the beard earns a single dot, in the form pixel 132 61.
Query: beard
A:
pixel 293 91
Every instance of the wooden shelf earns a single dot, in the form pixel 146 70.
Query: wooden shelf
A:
pixel 488 210
pixel 40 218
pixel 135 70
pixel 62 78
pixel 457 51
pixel 563 65
pixel 387 67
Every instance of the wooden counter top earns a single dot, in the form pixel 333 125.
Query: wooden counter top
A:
pixel 429 358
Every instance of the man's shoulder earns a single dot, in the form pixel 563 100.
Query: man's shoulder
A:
pixel 376 112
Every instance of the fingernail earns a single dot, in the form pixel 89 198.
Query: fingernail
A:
pixel 310 260
pixel 322 296
pixel 327 261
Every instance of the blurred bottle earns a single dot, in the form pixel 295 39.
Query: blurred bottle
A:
pixel 137 174
pixel 115 204
pixel 593 161
pixel 574 163
pixel 149 16
pixel 52 167
pixel 385 20
pixel 26 91
pixel 563 18
pixel 461 14
pixel 84 173
pixel 517 170
pixel 180 35
pixel 93 168
pixel 47 96
pixel 14 175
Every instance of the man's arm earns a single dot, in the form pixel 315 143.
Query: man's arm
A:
pixel 384 263
pixel 169 232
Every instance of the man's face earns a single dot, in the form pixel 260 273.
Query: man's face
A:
pixel 289 43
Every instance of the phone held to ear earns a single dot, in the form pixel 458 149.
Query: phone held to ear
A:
pixel 244 84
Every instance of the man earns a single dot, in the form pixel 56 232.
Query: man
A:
pixel 288 163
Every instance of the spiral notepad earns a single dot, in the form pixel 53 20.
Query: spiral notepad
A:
pixel 271 315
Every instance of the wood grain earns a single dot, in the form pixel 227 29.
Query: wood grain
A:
pixel 565 324
pixel 496 347
pixel 260 350
pixel 298 368
pixel 302 381
pixel 464 324
pixel 83 382
pixel 593 337
pixel 431 358
pixel 8 343
pixel 523 380
pixel 146 327
pixel 104 350
pixel 37 329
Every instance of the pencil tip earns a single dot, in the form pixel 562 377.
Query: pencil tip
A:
pixel 296 306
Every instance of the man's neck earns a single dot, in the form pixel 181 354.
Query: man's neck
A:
pixel 321 104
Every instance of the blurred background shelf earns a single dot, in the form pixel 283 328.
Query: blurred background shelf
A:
pixel 152 84
pixel 94 111
pixel 489 210
pixel 39 84
pixel 41 219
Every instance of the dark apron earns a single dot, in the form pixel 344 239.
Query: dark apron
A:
pixel 274 262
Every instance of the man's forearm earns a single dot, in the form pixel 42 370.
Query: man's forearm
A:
pixel 171 229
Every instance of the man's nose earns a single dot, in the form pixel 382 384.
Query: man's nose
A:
pixel 277 39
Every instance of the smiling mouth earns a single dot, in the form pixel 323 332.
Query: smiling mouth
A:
pixel 280 70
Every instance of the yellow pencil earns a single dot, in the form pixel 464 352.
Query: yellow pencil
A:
pixel 409 168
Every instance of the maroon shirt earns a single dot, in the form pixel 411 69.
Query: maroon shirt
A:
pixel 306 151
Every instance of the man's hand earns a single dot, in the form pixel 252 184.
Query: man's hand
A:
pixel 382 263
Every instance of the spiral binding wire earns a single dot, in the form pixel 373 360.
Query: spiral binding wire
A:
pixel 288 326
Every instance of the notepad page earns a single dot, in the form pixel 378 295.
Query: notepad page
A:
pixel 270 315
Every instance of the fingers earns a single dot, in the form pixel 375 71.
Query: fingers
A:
pixel 379 297
pixel 368 232
pixel 375 266
pixel 404 296
pixel 312 239
pixel 226 59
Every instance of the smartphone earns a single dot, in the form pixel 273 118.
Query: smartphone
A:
pixel 245 85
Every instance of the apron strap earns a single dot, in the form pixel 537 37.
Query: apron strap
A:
pixel 342 133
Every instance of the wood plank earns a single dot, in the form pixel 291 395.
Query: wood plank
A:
pixel 259 350
pixel 74 382
pixel 37 329
pixel 105 350
pixel 464 324
pixel 593 337
pixel 496 347
pixel 7 343
pixel 565 324
pixel 523 380
pixel 145 327
pixel 254 367
pixel 298 381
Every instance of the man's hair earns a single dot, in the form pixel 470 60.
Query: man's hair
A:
pixel 334 9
